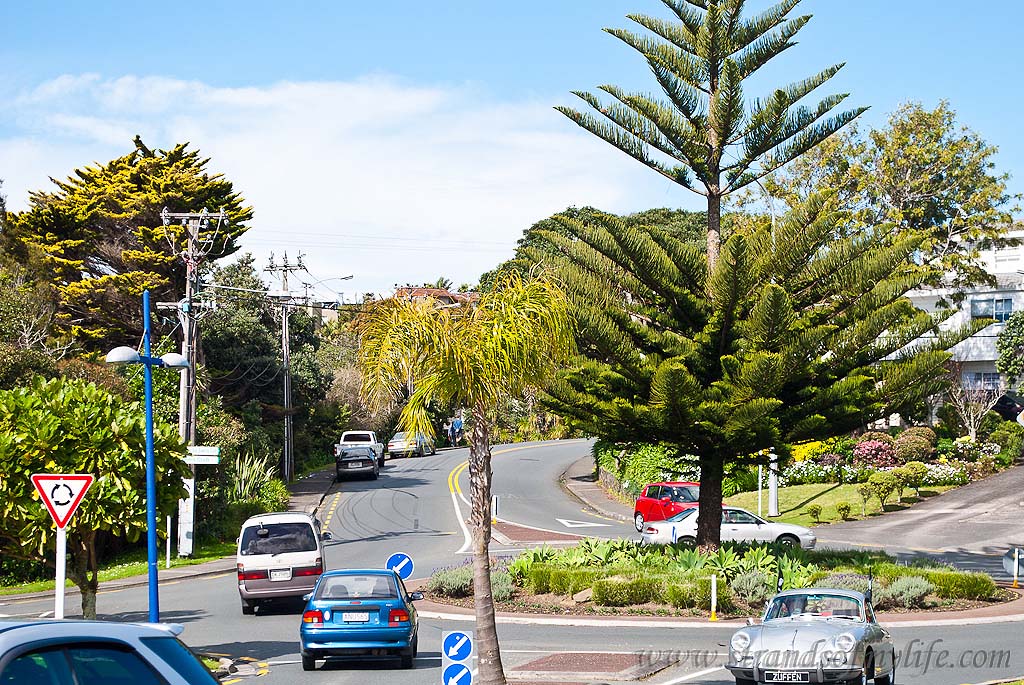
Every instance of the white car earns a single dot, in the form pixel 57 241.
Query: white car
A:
pixel 738 525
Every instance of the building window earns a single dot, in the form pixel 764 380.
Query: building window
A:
pixel 998 308
pixel 985 381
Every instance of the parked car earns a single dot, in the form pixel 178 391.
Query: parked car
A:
pixel 279 555
pixel 45 652
pixel 351 461
pixel 1008 406
pixel 658 501
pixel 361 439
pixel 738 525
pixel 359 612
pixel 405 445
pixel 815 635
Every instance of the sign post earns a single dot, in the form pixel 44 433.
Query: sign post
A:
pixel 1011 564
pixel 197 455
pixel 61 493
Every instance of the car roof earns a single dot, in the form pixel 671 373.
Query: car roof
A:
pixel 852 594
pixel 674 482
pixel 280 517
pixel 358 572
pixel 19 631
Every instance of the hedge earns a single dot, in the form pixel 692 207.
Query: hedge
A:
pixel 570 581
pixel 620 592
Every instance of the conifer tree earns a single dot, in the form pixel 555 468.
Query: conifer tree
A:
pixel 100 241
pixel 703 136
pixel 799 331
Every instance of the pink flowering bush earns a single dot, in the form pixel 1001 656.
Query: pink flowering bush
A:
pixel 874 453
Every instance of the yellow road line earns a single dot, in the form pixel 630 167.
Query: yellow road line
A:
pixel 231 682
pixel 330 512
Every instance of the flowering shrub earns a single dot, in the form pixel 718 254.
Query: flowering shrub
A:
pixel 919 432
pixel 953 473
pixel 877 436
pixel 874 453
pixel 965 449
pixel 912 448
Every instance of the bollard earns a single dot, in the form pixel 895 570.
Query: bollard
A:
pixel 1016 565
pixel 714 597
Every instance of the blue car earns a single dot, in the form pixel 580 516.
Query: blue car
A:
pixel 359 612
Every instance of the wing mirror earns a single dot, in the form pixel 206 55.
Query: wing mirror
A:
pixel 413 596
pixel 306 597
pixel 327 535
pixel 750 621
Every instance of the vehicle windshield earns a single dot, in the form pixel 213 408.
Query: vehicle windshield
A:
pixel 181 659
pixel 682 493
pixel 277 538
pixel 814 604
pixel 682 515
pixel 357 587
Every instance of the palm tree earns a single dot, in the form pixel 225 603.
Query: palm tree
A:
pixel 472 356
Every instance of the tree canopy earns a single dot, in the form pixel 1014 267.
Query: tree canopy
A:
pixel 704 135
pixel 100 241
pixel 800 331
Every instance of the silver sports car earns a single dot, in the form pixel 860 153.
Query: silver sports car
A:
pixel 814 635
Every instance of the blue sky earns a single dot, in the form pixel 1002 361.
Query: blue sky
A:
pixel 403 141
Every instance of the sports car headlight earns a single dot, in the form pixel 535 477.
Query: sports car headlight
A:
pixel 740 642
pixel 846 642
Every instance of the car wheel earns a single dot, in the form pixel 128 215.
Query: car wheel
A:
pixel 337 476
pixel 308 662
pixel 638 521
pixel 375 474
pixel 869 669
pixel 788 541
pixel 889 679
pixel 248 607
pixel 409 656
pixel 687 540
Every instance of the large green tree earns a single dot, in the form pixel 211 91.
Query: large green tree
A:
pixel 922 173
pixel 99 239
pixel 798 332
pixel 473 356
pixel 71 426
pixel 704 135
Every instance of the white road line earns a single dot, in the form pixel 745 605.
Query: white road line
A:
pixel 467 539
pixel 693 676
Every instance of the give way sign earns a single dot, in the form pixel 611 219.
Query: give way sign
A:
pixel 61 493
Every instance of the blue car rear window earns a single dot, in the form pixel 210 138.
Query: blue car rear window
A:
pixel 181 659
pixel 357 587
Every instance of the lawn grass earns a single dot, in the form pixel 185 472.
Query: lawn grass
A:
pixel 793 501
pixel 133 563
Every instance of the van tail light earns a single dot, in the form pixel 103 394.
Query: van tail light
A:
pixel 313 619
pixel 251 575
pixel 396 616
pixel 315 570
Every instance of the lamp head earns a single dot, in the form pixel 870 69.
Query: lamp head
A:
pixel 123 355
pixel 174 360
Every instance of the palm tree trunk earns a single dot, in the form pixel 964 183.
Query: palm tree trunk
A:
pixel 490 670
pixel 709 515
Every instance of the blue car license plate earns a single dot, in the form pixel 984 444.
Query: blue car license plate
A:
pixel 355 616
pixel 787 677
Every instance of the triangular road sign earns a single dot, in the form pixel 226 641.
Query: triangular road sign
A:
pixel 61 493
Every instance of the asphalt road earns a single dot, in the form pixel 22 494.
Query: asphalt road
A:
pixel 412 508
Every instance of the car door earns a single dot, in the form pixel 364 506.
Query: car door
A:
pixel 739 526
pixel 649 505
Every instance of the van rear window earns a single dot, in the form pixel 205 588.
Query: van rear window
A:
pixel 278 539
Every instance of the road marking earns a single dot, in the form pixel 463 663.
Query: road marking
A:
pixel 330 512
pixel 569 523
pixel 453 483
pixel 692 676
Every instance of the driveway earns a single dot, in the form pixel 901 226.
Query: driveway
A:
pixel 971 526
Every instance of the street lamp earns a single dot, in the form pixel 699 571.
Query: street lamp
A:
pixel 128 355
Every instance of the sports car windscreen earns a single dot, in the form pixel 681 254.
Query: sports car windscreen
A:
pixel 814 604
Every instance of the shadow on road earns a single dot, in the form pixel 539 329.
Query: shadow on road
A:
pixel 165 616
pixel 255 649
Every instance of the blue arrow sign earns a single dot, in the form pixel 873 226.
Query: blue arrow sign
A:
pixel 457 647
pixel 457 674
pixel 400 563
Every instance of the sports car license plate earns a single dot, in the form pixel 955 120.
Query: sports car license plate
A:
pixel 355 616
pixel 786 677
pixel 281 574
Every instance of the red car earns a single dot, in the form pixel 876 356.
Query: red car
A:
pixel 658 501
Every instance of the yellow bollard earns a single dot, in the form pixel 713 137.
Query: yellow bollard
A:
pixel 714 597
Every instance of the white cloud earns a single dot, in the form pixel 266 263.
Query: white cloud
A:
pixel 387 181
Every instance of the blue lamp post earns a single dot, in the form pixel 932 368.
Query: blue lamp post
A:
pixel 128 355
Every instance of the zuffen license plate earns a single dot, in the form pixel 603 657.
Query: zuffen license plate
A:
pixel 281 574
pixel 787 677
pixel 355 616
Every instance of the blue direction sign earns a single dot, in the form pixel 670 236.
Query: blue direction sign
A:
pixel 457 674
pixel 457 646
pixel 400 563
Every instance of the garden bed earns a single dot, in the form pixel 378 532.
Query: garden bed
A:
pixel 623 578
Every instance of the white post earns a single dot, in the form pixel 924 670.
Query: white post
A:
pixel 773 485
pixel 1016 565
pixel 167 564
pixel 62 557
pixel 714 597
pixel 760 469
pixel 494 508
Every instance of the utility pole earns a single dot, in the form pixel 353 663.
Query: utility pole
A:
pixel 198 243
pixel 288 461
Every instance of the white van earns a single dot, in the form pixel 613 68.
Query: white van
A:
pixel 279 555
